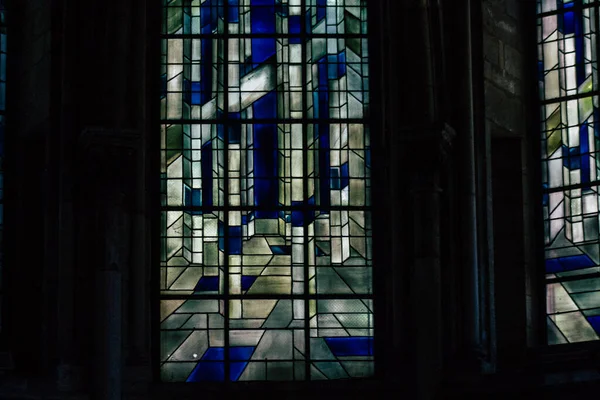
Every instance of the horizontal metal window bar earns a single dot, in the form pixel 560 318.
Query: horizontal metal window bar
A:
pixel 575 96
pixel 585 185
pixel 573 278
pixel 263 35
pixel 243 121
pixel 576 7
pixel 355 296
pixel 306 207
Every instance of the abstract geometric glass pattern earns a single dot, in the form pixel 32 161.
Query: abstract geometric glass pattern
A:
pixel 2 110
pixel 266 259
pixel 570 140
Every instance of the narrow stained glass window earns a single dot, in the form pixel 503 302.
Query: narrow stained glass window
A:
pixel 570 139
pixel 2 109
pixel 266 263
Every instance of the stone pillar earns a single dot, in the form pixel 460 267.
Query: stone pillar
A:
pixel 139 281
pixel 430 148
pixel 120 46
pixel 108 378
pixel 388 192
pixel 111 164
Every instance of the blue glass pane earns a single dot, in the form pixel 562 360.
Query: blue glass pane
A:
pixel 214 354
pixel 203 372
pixel 233 11
pixel 241 353
pixel 262 16
pixel 350 346
pixel 236 370
pixel 247 282
pixel 595 322
pixel 207 283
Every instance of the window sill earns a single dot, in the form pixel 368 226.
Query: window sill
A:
pixel 315 390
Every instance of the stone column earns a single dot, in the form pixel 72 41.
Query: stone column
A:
pixel 422 144
pixel 111 164
pixel 387 191
pixel 430 148
pixel 108 377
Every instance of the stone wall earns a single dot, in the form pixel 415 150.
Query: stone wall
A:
pixel 27 137
pixel 509 52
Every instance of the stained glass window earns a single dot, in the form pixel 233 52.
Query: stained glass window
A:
pixel 2 109
pixel 266 259
pixel 570 137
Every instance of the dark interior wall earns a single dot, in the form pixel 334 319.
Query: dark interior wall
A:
pixel 111 123
pixel 66 78
pixel 508 40
pixel 29 95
